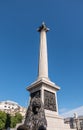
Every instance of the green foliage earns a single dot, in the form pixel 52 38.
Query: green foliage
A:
pixel 7 120
pixel 2 124
pixel 13 122
pixel 18 117
pixel 3 117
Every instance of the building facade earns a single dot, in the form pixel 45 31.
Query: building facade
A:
pixel 12 107
pixel 75 122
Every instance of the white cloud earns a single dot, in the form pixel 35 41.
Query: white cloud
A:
pixel 78 110
pixel 63 110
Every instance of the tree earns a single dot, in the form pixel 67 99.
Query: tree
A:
pixel 13 122
pixel 8 121
pixel 3 117
pixel 18 117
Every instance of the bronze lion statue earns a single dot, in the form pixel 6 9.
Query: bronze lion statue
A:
pixel 35 116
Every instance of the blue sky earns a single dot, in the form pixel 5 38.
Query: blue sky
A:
pixel 19 48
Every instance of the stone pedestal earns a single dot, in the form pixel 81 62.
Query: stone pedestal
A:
pixel 55 122
pixel 46 90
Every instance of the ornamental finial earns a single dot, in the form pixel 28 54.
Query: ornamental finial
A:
pixel 43 27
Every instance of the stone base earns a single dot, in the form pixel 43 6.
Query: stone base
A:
pixel 55 122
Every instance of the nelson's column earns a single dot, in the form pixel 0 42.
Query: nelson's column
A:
pixel 45 89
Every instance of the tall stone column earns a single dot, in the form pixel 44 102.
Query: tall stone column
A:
pixel 43 58
pixel 43 87
pixel 46 90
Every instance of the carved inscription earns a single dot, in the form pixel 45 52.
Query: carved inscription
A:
pixel 36 94
pixel 49 101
